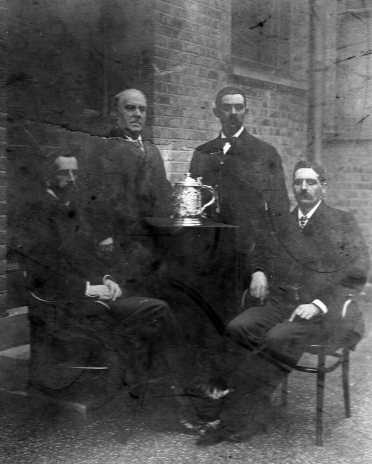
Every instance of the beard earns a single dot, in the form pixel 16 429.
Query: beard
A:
pixel 65 194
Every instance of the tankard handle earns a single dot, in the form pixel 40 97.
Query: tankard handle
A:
pixel 212 200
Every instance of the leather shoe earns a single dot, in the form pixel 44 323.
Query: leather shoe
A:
pixel 213 433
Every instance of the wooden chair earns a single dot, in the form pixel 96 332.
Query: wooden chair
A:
pixel 341 359
pixel 73 364
pixel 340 356
pixel 340 353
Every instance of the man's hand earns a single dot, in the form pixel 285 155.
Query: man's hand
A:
pixel 259 287
pixel 101 292
pixel 305 311
pixel 114 289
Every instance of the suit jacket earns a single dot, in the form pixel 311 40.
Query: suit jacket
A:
pixel 135 181
pixel 119 187
pixel 58 253
pixel 327 260
pixel 251 189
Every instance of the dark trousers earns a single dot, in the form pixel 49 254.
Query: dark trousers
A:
pixel 263 345
pixel 149 338
pixel 137 333
pixel 268 327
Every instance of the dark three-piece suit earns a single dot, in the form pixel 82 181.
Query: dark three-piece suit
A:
pixel 60 257
pixel 327 260
pixel 250 185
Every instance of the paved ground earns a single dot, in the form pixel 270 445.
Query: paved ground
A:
pixel 127 432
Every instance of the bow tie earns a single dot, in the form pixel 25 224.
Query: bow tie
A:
pixel 231 140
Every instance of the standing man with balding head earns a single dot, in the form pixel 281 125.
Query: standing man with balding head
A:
pixel 149 180
pixel 135 186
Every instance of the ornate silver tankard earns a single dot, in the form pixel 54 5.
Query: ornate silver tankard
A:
pixel 189 206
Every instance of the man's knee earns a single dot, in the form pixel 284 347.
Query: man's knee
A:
pixel 233 329
pixel 280 333
pixel 244 327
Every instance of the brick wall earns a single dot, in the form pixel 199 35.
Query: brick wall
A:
pixel 193 61
pixel 3 228
pixel 192 52
pixel 347 146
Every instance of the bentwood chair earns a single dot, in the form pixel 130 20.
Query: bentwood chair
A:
pixel 338 355
pixel 341 358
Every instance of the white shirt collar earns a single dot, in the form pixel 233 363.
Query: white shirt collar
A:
pixel 50 191
pixel 223 136
pixel 227 145
pixel 131 139
pixel 310 213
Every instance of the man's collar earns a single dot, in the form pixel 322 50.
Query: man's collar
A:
pixel 117 132
pixel 131 139
pixel 51 192
pixel 310 213
pixel 54 195
pixel 223 136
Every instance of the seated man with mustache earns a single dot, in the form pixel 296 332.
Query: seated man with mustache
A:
pixel 320 259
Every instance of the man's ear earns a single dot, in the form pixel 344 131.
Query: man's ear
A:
pixel 217 113
pixel 324 188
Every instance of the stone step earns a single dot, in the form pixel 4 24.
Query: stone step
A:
pixel 14 328
pixel 17 352
pixel 14 370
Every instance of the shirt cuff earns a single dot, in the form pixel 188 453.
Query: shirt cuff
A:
pixel 107 277
pixel 321 306
pixel 258 269
pixel 87 287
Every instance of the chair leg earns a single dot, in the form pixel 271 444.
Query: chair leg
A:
pixel 320 383
pixel 345 381
pixel 284 392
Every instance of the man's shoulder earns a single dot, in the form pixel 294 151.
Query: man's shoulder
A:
pixel 256 144
pixel 209 147
pixel 335 217
pixel 149 144
pixel 248 142
pixel 326 209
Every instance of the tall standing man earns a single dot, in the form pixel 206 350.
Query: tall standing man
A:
pixel 248 177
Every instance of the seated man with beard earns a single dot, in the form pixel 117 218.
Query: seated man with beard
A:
pixel 67 271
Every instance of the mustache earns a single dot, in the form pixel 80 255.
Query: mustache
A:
pixel 233 119
pixel 306 195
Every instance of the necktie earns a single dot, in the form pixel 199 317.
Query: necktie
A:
pixel 303 221
pixel 139 145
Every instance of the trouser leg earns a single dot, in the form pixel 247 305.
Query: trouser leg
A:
pixel 149 324
pixel 252 375
pixel 262 341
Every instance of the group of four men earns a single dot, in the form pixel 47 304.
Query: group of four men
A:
pixel 299 267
